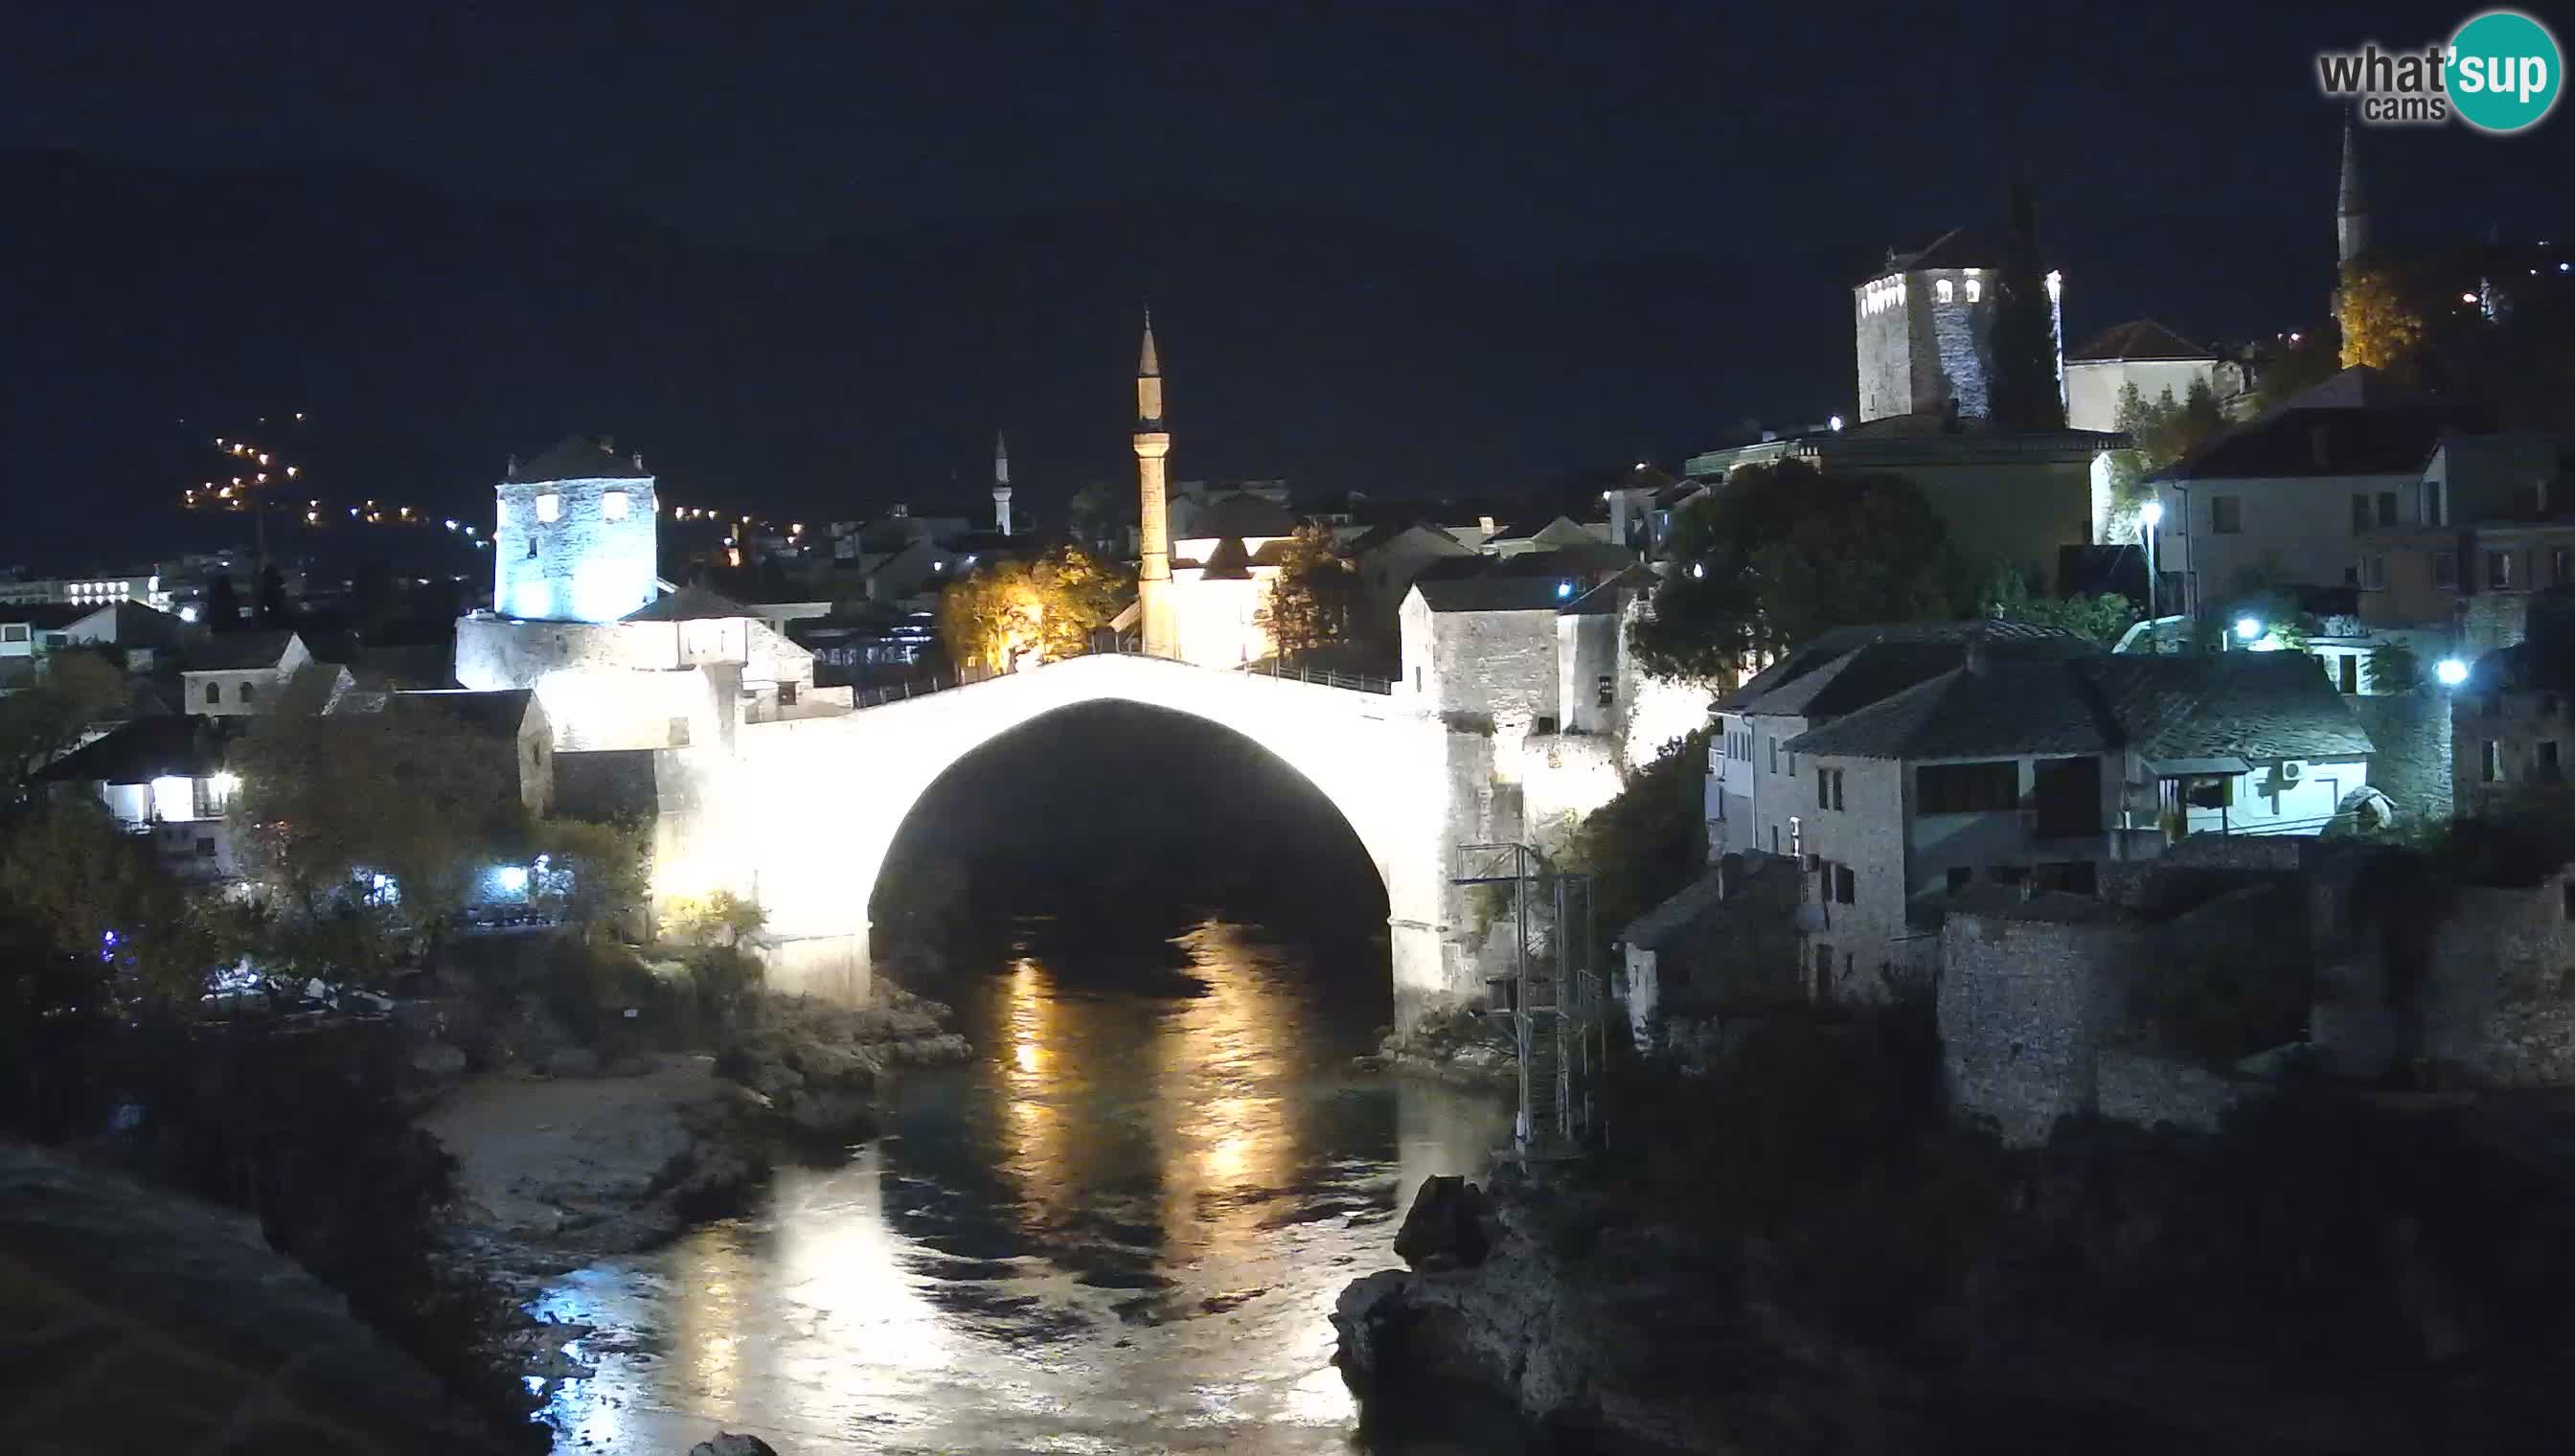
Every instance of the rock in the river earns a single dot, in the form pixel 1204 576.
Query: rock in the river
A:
pixel 1444 1228
pixel 728 1444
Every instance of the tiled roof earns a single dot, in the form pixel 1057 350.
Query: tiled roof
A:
pixel 2139 338
pixel 239 652
pixel 689 604
pixel 2257 705
pixel 2379 440
pixel 147 748
pixel 45 616
pixel 582 458
pixel 1491 593
pixel 500 712
pixel 1810 655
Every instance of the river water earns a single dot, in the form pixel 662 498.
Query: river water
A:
pixel 1119 1230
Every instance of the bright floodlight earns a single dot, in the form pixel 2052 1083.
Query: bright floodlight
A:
pixel 2249 628
pixel 1838 422
pixel 1563 590
pixel 2151 512
pixel 512 879
pixel 2451 671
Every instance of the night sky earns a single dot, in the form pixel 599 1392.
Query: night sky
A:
pixel 1664 202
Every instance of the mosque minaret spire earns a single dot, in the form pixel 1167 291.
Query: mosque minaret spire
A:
pixel 1153 444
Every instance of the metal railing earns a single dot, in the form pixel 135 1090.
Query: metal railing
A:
pixel 910 688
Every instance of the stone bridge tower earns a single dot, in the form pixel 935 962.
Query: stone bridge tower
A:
pixel 1161 638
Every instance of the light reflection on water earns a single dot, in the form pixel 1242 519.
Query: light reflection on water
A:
pixel 1122 1229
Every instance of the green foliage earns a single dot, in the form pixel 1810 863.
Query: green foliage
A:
pixel 74 879
pixel 2381 327
pixel 1780 552
pixel 2392 668
pixel 718 917
pixel 325 800
pixel 1649 842
pixel 1100 512
pixel 601 870
pixel 47 718
pixel 726 980
pixel 1315 600
pixel 2283 372
pixel 2104 617
pixel 2163 430
pixel 1046 608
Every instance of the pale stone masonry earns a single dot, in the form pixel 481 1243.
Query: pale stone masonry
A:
pixel 575 534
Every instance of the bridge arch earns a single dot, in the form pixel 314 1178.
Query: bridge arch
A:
pixel 803 814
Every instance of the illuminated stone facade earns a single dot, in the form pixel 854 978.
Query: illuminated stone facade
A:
pixel 575 536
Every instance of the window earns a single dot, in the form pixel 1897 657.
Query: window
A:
pixel 2348 665
pixel 1774 755
pixel 1945 290
pixel 2546 763
pixel 549 506
pixel 1957 788
pixel 2210 791
pixel 205 847
pixel 1829 788
pixel 2226 515
pixel 1976 289
pixel 2445 568
pixel 13 632
pixel 2387 507
pixel 611 506
pixel 2490 769
pixel 2359 512
pixel 2498 570
pixel 248 691
pixel 1608 691
pixel 787 695
pixel 1846 885
pixel 214 692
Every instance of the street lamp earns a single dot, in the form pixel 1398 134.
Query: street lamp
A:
pixel 2150 516
pixel 2450 671
pixel 2248 628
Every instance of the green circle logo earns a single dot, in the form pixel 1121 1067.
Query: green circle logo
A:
pixel 2505 71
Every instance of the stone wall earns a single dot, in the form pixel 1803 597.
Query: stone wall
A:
pixel 2496 1007
pixel 2413 761
pixel 2026 1006
pixel 581 566
pixel 2161 1092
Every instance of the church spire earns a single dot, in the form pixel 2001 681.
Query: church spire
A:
pixel 2351 213
pixel 1001 483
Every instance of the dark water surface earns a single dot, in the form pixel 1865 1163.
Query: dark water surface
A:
pixel 1119 1230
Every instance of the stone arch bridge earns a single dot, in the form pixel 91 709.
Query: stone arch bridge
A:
pixel 802 813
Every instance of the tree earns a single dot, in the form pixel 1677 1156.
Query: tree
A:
pixel 1043 610
pixel 41 723
pixel 2380 327
pixel 1649 840
pixel 2104 617
pixel 2392 668
pixel 1100 514
pixel 222 606
pixel 97 894
pixel 2283 372
pixel 1313 602
pixel 1780 552
pixel 595 872
pixel 330 802
pixel 718 917
pixel 2027 392
pixel 2161 432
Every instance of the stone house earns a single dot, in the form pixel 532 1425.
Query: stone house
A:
pixel 1754 803
pixel 2511 733
pixel 165 777
pixel 1387 559
pixel 575 534
pixel 2037 772
pixel 230 674
pixel 2139 353
pixel 2289 497
pixel 509 721
pixel 1725 942
pixel 2494 526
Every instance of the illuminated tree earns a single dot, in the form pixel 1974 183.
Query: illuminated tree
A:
pixel 2379 326
pixel 1313 601
pixel 718 917
pixel 1038 611
pixel 100 895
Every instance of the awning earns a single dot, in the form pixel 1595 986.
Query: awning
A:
pixel 2196 768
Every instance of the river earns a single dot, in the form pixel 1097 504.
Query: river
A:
pixel 1119 1230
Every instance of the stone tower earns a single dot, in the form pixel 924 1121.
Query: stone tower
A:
pixel 1161 638
pixel 577 535
pixel 1001 483
pixel 2351 213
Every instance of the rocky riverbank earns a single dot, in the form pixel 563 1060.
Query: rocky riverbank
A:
pixel 1460 1049
pixel 2335 1282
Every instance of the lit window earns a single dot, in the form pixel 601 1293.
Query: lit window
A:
pixel 549 506
pixel 611 506
pixel 1943 289
pixel 1976 289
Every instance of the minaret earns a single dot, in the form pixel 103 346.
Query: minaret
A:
pixel 1152 443
pixel 2351 216
pixel 1001 483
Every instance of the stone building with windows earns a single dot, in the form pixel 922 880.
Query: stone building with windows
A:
pixel 232 674
pixel 1925 322
pixel 2512 722
pixel 574 535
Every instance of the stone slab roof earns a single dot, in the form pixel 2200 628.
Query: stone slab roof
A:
pixel 146 749
pixel 2256 706
pixel 1826 647
pixel 499 711
pixel 2141 339
pixel 239 652
pixel 689 604
pixel 1490 594
pixel 582 458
